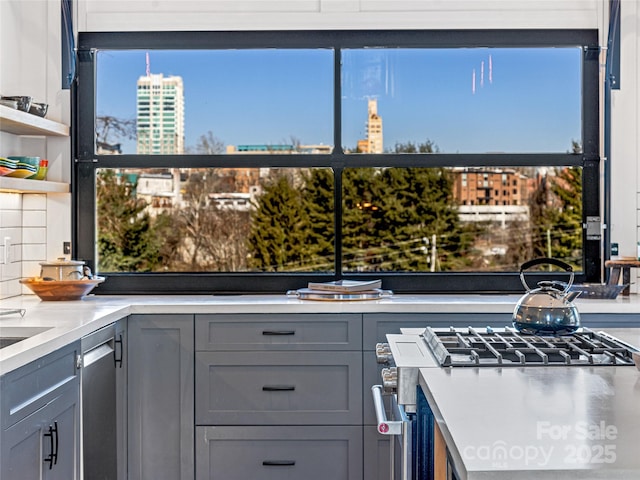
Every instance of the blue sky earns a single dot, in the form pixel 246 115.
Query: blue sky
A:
pixel 532 102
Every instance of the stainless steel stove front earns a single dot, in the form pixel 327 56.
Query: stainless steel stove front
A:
pixel 409 353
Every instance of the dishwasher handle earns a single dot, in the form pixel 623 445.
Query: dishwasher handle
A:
pixel 92 356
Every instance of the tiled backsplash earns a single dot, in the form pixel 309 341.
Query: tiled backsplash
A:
pixel 23 239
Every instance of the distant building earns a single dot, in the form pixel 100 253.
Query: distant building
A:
pixel 157 189
pixel 490 186
pixel 492 195
pixel 374 141
pixel 160 115
pixel 239 202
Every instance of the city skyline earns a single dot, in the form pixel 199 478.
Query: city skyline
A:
pixel 532 102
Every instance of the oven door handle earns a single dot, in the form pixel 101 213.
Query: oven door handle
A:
pixel 386 427
pixel 400 428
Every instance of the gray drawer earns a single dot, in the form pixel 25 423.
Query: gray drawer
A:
pixel 32 386
pixel 278 388
pixel 277 453
pixel 279 332
pixel 377 325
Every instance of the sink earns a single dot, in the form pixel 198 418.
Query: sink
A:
pixel 11 335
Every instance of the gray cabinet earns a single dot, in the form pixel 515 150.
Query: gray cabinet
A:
pixel 275 453
pixel 160 397
pixel 377 325
pixel 279 396
pixel 40 435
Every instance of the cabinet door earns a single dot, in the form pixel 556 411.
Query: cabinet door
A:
pixel 160 397
pixel 44 445
pixel 65 418
pixel 22 449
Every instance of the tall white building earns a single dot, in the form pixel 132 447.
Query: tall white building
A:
pixel 160 114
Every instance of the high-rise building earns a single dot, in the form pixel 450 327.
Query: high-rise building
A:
pixel 160 114
pixel 373 143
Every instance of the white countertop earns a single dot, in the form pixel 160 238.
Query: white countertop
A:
pixel 69 321
pixel 539 423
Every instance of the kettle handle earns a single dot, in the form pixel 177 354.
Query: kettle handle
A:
pixel 543 261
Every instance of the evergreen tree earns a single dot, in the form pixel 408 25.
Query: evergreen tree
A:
pixel 360 213
pixel 276 240
pixel 318 232
pixel 391 215
pixel 556 216
pixel 126 240
pixel 567 234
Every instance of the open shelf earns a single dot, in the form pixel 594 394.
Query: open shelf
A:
pixel 22 185
pixel 22 123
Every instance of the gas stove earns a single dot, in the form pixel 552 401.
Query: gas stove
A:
pixel 455 347
pixel 451 347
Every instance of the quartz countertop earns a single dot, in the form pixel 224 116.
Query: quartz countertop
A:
pixel 63 322
pixel 539 422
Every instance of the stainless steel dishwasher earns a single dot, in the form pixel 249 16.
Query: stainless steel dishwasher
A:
pixel 100 358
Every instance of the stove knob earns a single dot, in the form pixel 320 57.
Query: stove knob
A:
pixel 390 379
pixel 383 353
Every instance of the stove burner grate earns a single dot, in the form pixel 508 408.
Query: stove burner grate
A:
pixel 507 347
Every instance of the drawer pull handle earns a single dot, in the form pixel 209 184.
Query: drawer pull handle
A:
pixel 279 463
pixel 278 388
pixel 274 333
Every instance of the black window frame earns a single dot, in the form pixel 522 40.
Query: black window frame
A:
pixel 86 160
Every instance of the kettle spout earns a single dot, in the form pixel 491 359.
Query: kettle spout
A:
pixel 571 296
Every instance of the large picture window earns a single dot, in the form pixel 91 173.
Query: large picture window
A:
pixel 231 162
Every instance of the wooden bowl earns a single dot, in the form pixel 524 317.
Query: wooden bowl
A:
pixel 61 289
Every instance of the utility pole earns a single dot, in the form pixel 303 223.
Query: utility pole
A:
pixel 549 246
pixel 433 252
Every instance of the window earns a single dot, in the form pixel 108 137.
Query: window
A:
pixel 258 161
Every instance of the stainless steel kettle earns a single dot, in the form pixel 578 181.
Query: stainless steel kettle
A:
pixel 548 309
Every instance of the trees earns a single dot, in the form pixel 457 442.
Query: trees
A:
pixel 126 239
pixel 556 215
pixel 213 238
pixel 389 219
pixel 392 215
pixel 276 237
pixel 110 129
pixel 318 235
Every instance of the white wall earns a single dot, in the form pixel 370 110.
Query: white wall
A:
pixel 625 137
pixel 30 65
pixel 109 15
